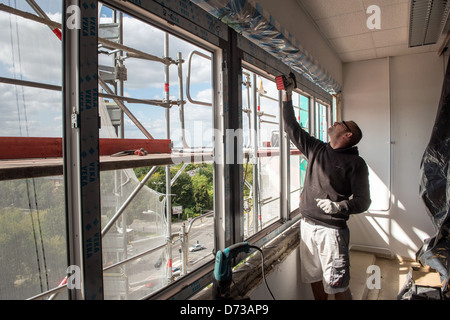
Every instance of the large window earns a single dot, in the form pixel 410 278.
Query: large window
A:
pixel 153 85
pixel 322 116
pixel 262 141
pixel 163 214
pixel 261 123
pixel 298 162
pixel 168 224
pixel 33 245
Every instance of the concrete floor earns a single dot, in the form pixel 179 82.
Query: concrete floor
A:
pixel 393 276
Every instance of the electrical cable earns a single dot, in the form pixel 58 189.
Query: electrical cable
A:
pixel 20 76
pixel 262 267
pixel 20 128
pixel 41 235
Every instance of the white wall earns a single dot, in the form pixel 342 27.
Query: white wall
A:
pixel 292 18
pixel 285 282
pixel 393 99
pixel 401 93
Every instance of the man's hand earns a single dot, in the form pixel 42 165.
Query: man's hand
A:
pixel 328 206
pixel 292 85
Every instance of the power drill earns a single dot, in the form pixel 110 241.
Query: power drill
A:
pixel 286 83
pixel 222 270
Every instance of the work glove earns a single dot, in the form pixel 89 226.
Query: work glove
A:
pixel 328 206
pixel 292 85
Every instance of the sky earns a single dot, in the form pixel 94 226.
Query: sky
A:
pixel 30 51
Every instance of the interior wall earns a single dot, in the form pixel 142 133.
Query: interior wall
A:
pixel 394 100
pixel 285 282
pixel 292 17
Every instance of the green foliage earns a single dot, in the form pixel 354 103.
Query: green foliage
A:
pixel 248 175
pixel 201 198
pixel 32 236
pixel 193 188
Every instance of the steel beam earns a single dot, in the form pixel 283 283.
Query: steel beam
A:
pixel 233 148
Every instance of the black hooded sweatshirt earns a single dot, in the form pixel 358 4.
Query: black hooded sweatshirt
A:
pixel 340 175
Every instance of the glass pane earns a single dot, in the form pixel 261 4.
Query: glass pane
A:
pixel 296 182
pixel 298 163
pixel 261 173
pixel 322 122
pixel 136 279
pixel 304 112
pixel 143 228
pixel 139 228
pixel 269 190
pixel 33 255
pixel 30 52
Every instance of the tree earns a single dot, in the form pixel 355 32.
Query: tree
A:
pixel 201 198
pixel 193 188
pixel 183 191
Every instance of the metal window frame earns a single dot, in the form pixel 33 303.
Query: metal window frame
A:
pixel 81 149
pixel 228 176
pixel 155 14
pixel 285 213
pixel 328 115
pixel 232 116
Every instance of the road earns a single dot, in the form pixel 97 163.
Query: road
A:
pixel 148 273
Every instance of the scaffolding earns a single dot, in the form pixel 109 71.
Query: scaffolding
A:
pixel 121 256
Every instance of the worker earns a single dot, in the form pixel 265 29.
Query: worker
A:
pixel 336 185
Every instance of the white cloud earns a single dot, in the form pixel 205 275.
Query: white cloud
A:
pixel 29 112
pixel 30 51
pixel 201 70
pixel 144 74
pixel 33 53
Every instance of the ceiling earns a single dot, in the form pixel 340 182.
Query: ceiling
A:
pixel 343 23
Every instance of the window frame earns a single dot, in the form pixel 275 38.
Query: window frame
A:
pixel 230 52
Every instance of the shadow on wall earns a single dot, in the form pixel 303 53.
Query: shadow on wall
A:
pixel 383 234
pixel 388 228
pixel 405 226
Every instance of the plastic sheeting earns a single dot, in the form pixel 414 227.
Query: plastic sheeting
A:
pixel 249 19
pixel 145 225
pixel 435 188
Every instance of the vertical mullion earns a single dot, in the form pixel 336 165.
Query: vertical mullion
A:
pixel 81 147
pixel 230 220
pixel 285 178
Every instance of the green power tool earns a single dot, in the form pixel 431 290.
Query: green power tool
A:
pixel 223 270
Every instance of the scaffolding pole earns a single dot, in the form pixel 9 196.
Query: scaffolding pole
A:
pixel 168 178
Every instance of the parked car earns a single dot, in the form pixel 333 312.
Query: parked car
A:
pixel 197 247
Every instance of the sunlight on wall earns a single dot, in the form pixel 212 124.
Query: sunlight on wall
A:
pixel 383 228
pixel 379 193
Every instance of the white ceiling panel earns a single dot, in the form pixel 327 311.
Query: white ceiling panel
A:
pixel 343 23
pixel 321 9
pixel 358 55
pixel 390 37
pixel 352 43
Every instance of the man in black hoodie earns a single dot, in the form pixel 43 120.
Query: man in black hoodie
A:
pixel 336 185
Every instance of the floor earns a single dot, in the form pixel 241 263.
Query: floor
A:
pixel 363 283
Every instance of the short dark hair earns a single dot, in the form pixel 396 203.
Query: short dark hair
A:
pixel 356 134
